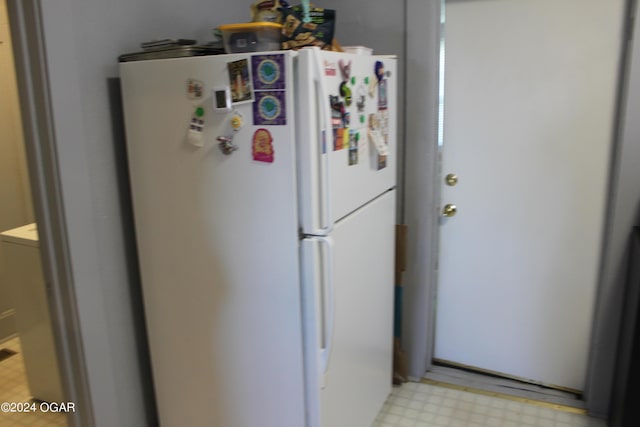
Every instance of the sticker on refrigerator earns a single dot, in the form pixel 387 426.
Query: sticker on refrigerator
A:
pixel 330 68
pixel 340 135
pixel 345 92
pixel 379 70
pixel 269 109
pixel 340 117
pixel 354 137
pixel 382 95
pixel 240 81
pixel 382 85
pixel 268 72
pixel 195 89
pixel 383 117
pixel 361 98
pixel 196 127
pixel 345 69
pixel 262 146
pixel 376 138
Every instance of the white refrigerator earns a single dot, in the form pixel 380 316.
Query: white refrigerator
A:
pixel 263 191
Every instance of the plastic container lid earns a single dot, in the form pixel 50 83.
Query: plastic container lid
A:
pixel 251 26
pixel 358 50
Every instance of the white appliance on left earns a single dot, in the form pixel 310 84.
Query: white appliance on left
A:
pixel 264 200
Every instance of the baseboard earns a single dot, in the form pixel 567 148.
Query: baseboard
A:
pixel 506 388
pixel 7 325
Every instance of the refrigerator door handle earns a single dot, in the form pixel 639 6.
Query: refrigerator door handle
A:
pixel 327 306
pixel 322 100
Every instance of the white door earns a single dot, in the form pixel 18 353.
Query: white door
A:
pixel 530 89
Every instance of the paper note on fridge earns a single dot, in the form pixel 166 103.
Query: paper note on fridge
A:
pixel 376 138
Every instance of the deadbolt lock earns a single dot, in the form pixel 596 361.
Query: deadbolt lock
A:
pixel 449 210
pixel 451 179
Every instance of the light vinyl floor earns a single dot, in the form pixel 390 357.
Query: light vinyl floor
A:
pixel 427 405
pixel 14 388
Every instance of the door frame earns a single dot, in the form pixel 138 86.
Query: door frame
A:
pixel 424 82
pixel 25 17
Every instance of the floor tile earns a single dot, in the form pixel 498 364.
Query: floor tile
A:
pixel 428 405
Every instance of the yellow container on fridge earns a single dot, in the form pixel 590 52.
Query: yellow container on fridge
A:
pixel 251 37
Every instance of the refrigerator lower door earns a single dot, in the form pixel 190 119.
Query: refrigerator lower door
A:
pixel 348 316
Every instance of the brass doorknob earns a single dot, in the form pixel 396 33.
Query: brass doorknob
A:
pixel 449 210
pixel 451 179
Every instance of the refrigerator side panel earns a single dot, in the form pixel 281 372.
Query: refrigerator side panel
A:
pixel 359 366
pixel 218 247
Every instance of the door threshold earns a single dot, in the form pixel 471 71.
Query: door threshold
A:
pixel 506 388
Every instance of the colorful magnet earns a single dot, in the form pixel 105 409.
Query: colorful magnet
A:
pixel 379 70
pixel 340 135
pixel 269 109
pixel 382 95
pixel 237 121
pixel 338 112
pixel 240 81
pixel 262 146
pixel 196 127
pixel 345 92
pixel 382 85
pixel 361 98
pixel 329 68
pixel 345 69
pixel 268 72
pixel 195 89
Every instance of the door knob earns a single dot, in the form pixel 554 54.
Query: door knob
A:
pixel 451 179
pixel 449 210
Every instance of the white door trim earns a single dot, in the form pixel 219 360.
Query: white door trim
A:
pixel 422 189
pixel 33 85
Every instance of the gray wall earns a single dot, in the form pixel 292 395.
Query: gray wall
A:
pixel 83 40
pixel 422 195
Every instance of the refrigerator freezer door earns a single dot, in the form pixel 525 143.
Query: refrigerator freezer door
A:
pixel 218 251
pixel 353 160
pixel 353 308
